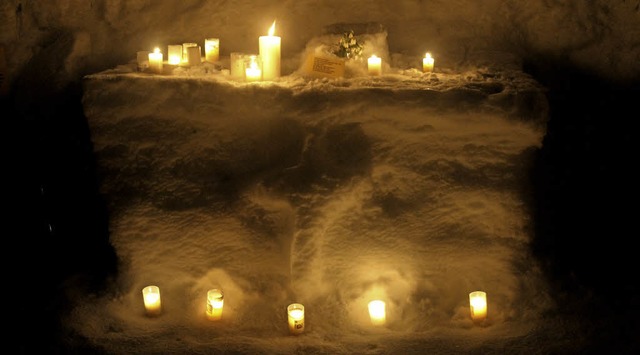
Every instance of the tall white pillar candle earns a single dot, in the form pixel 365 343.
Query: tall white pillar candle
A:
pixel 478 305
pixel 377 312
pixel 295 313
pixel 270 54
pixel 374 65
pixel 215 302
pixel 151 297
pixel 212 49
pixel 155 61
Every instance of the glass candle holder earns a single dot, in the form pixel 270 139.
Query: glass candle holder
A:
pixel 156 61
pixel 427 63
pixel 295 313
pixel 215 302
pixel 377 312
pixel 174 53
pixel 185 51
pixel 236 65
pixel 212 49
pixel 151 298
pixel 252 68
pixel 478 305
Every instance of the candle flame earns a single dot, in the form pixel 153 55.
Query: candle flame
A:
pixel 272 29
pixel 157 50
pixel 428 55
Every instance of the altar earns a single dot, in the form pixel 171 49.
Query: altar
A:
pixel 407 187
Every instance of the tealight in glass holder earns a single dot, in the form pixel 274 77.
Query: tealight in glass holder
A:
pixel 215 302
pixel 151 298
pixel 295 313
pixel 236 65
pixel 252 68
pixel 174 52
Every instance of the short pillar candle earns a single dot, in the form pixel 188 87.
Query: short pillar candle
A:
pixel 295 312
pixel 151 297
pixel 377 312
pixel 478 305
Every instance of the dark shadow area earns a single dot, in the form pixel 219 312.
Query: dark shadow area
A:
pixel 584 202
pixel 59 248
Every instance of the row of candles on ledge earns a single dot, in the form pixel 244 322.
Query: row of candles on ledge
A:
pixel 251 67
pixel 374 64
pixel 295 311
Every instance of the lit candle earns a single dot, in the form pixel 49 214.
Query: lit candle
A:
pixel 236 65
pixel 155 61
pixel 377 312
pixel 253 71
pixel 478 305
pixel 296 318
pixel 374 65
pixel 174 54
pixel 151 297
pixel 427 63
pixel 270 54
pixel 212 49
pixel 215 301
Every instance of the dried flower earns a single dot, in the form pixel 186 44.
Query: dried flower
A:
pixel 349 47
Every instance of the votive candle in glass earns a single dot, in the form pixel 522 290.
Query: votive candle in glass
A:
pixel 253 68
pixel 155 61
pixel 478 305
pixel 374 64
pixel 427 63
pixel 212 49
pixel 295 312
pixel 151 297
pixel 215 302
pixel 174 52
pixel 236 65
pixel 377 312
